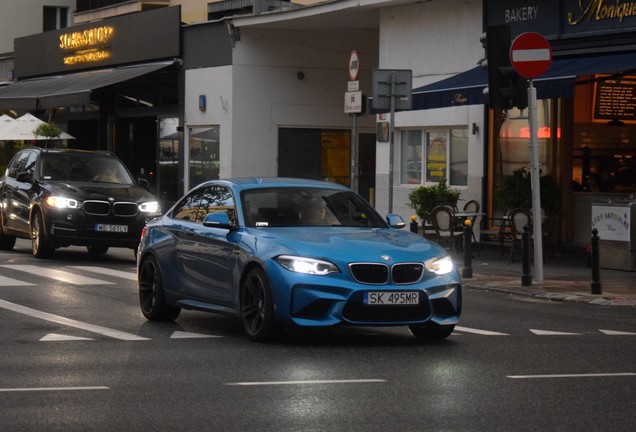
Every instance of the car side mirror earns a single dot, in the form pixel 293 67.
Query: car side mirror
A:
pixel 143 183
pixel 24 177
pixel 219 220
pixel 395 221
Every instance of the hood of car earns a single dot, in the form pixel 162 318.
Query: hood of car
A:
pixel 354 244
pixel 83 191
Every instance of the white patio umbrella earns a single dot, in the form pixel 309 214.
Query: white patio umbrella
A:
pixel 22 129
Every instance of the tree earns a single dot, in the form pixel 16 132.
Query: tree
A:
pixel 49 131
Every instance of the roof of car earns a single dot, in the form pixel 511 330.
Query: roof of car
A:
pixel 250 182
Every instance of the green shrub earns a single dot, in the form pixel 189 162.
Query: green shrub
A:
pixel 424 199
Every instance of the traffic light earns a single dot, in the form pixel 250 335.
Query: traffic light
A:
pixel 506 88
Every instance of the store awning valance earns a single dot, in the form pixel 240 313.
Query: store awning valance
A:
pixel 466 88
pixel 70 89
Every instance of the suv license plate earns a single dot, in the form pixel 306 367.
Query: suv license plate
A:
pixel 382 298
pixel 111 228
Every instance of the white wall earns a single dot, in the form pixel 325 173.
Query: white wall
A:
pixel 435 40
pixel 270 94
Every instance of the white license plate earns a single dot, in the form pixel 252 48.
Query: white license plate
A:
pixel 111 228
pixel 379 298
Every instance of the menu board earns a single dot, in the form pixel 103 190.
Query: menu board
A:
pixel 615 98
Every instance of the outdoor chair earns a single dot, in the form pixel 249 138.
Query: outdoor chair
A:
pixel 444 224
pixel 518 218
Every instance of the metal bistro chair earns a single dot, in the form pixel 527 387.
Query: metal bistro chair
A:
pixel 472 206
pixel 518 218
pixel 443 219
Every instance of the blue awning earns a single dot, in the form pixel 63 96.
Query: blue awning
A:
pixel 467 88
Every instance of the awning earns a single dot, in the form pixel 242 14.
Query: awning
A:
pixel 70 89
pixel 466 88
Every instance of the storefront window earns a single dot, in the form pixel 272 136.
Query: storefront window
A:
pixel 203 147
pixel 429 156
pixel 168 169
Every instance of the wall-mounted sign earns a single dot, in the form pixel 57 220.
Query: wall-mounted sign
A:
pixel 615 99
pixel 125 39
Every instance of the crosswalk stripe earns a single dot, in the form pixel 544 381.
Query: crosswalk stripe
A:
pixel 109 272
pixel 552 333
pixel 59 275
pixel 70 322
pixel 617 333
pixel 7 281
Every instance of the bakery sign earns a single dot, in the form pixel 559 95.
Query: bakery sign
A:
pixel 611 222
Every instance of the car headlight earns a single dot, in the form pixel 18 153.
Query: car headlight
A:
pixel 307 265
pixel 150 207
pixel 440 266
pixel 62 202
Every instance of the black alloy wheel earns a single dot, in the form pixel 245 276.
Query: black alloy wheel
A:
pixel 39 244
pixel 151 297
pixel 257 308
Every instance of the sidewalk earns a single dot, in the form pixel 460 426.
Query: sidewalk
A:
pixel 565 278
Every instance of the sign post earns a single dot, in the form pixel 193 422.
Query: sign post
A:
pixel 392 90
pixel 531 56
pixel 353 106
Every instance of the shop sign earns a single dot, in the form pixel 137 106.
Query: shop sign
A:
pixel 611 222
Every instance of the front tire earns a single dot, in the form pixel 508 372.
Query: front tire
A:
pixel 151 296
pixel 431 331
pixel 39 244
pixel 6 241
pixel 257 307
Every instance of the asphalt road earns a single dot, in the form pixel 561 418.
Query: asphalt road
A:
pixel 76 354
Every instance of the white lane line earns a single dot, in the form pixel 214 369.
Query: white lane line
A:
pixel 70 322
pixel 617 333
pixel 553 333
pixel 54 337
pixel 59 275
pixel 479 332
pixel 38 389
pixel 7 281
pixel 303 382
pixel 109 272
pixel 593 375
pixel 188 335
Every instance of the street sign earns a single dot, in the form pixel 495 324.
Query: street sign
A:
pixel 530 55
pixel 353 102
pixel 354 65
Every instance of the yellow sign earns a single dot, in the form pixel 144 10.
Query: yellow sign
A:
pixel 88 45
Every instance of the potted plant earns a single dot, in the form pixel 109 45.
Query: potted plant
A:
pixel 424 199
pixel 516 191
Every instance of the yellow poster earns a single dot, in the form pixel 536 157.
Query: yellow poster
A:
pixel 334 156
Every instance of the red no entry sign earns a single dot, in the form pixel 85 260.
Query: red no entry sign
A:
pixel 530 55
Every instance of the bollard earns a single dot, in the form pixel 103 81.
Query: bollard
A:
pixel 413 224
pixel 596 264
pixel 526 277
pixel 468 237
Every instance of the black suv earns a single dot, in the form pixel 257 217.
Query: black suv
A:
pixel 61 197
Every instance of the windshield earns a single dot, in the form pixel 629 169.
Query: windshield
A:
pixel 302 206
pixel 84 168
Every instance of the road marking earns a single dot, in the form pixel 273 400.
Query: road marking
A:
pixel 59 275
pixel 593 375
pixel 187 335
pixel 7 281
pixel 617 333
pixel 54 337
pixel 552 333
pixel 109 272
pixel 70 322
pixel 263 383
pixel 479 332
pixel 36 389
